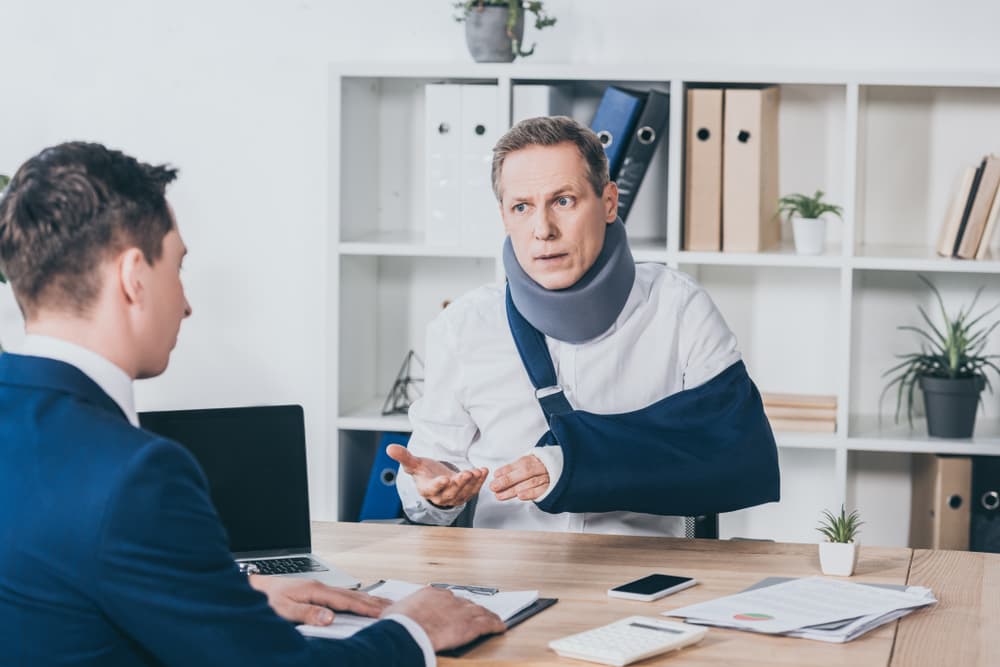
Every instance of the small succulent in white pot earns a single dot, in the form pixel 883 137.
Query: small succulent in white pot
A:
pixel 838 554
pixel 808 223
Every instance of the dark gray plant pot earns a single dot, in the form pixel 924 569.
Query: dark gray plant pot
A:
pixel 951 405
pixel 486 34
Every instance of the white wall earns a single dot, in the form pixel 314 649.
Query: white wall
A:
pixel 234 93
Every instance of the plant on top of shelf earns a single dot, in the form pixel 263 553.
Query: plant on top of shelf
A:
pixel 494 29
pixel 838 554
pixel 808 223
pixel 950 368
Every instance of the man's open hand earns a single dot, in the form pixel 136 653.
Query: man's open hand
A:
pixel 308 601
pixel 441 483
pixel 525 479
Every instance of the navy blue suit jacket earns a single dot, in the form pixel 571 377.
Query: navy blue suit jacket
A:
pixel 111 552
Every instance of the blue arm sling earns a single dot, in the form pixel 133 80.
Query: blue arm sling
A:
pixel 704 450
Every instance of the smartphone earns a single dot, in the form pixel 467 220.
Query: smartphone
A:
pixel 650 588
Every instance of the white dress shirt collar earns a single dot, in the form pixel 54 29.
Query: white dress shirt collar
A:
pixel 110 378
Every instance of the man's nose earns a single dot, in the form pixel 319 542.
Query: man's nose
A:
pixel 545 228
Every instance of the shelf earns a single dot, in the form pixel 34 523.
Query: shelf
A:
pixel 866 434
pixel 883 257
pixel 649 250
pixel 369 417
pixel 794 440
pixel 409 244
pixel 783 256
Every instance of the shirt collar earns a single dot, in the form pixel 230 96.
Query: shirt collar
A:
pixel 110 378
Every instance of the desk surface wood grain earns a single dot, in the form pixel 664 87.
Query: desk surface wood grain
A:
pixel 578 569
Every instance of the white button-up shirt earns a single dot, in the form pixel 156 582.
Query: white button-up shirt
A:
pixel 110 378
pixel 479 407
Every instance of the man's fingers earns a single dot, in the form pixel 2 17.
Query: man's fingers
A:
pixel 526 490
pixel 401 454
pixel 514 473
pixel 310 614
pixel 361 604
pixel 489 623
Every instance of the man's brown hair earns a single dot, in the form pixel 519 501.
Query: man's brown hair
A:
pixel 551 131
pixel 69 208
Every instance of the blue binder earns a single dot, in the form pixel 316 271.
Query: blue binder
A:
pixel 614 122
pixel 649 130
pixel 381 499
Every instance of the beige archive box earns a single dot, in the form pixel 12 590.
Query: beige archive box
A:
pixel 940 502
pixel 703 170
pixel 750 170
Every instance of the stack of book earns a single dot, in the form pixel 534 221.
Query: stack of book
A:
pixel 971 219
pixel 801 412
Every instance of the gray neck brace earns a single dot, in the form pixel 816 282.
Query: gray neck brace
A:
pixel 585 309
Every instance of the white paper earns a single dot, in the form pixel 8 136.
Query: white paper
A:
pixel 799 603
pixel 504 604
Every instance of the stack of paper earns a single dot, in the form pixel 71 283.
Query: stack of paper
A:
pixel 504 604
pixel 811 608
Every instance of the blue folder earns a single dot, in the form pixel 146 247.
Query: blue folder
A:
pixel 381 498
pixel 614 122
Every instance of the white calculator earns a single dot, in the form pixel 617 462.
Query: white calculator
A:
pixel 628 640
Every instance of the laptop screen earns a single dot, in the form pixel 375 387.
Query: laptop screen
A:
pixel 255 462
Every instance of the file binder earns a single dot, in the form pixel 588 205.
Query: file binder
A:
pixel 967 211
pixel 649 130
pixel 614 121
pixel 381 499
pixel 534 100
pixel 940 502
pixel 750 170
pixel 703 170
pixel 481 225
pixel 442 122
pixel 984 534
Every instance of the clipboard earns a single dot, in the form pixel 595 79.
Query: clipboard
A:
pixel 538 605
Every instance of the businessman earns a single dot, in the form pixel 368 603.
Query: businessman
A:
pixel 589 393
pixel 110 549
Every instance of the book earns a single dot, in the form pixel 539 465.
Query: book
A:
pixel 804 425
pixel 799 412
pixel 949 230
pixel 976 179
pixel 703 170
pixel 800 400
pixel 991 222
pixel 979 212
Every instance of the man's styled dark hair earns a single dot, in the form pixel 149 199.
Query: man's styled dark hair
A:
pixel 69 208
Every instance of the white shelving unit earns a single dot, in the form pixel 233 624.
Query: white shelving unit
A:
pixel 888 146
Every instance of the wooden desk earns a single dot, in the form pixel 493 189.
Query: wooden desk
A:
pixel 578 569
pixel 963 628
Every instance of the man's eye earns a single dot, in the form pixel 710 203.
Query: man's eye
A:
pixel 520 208
pixel 564 201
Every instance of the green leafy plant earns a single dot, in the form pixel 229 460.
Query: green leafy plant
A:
pixel 515 8
pixel 954 350
pixel 807 207
pixel 841 528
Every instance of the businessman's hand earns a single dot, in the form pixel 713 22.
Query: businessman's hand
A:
pixel 441 483
pixel 525 479
pixel 449 621
pixel 310 602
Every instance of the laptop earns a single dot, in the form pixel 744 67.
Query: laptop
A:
pixel 255 461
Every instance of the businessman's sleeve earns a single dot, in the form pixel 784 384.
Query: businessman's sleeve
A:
pixel 166 578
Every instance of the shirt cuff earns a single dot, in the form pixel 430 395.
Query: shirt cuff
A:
pixel 552 458
pixel 419 636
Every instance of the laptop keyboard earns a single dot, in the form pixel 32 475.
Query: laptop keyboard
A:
pixel 292 565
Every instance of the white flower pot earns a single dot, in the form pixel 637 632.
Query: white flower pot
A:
pixel 810 235
pixel 837 558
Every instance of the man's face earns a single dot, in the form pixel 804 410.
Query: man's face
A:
pixel 555 221
pixel 164 307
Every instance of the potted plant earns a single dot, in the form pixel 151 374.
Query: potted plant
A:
pixel 838 554
pixel 808 223
pixel 494 29
pixel 950 369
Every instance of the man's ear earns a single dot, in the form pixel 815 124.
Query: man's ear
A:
pixel 131 274
pixel 610 198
